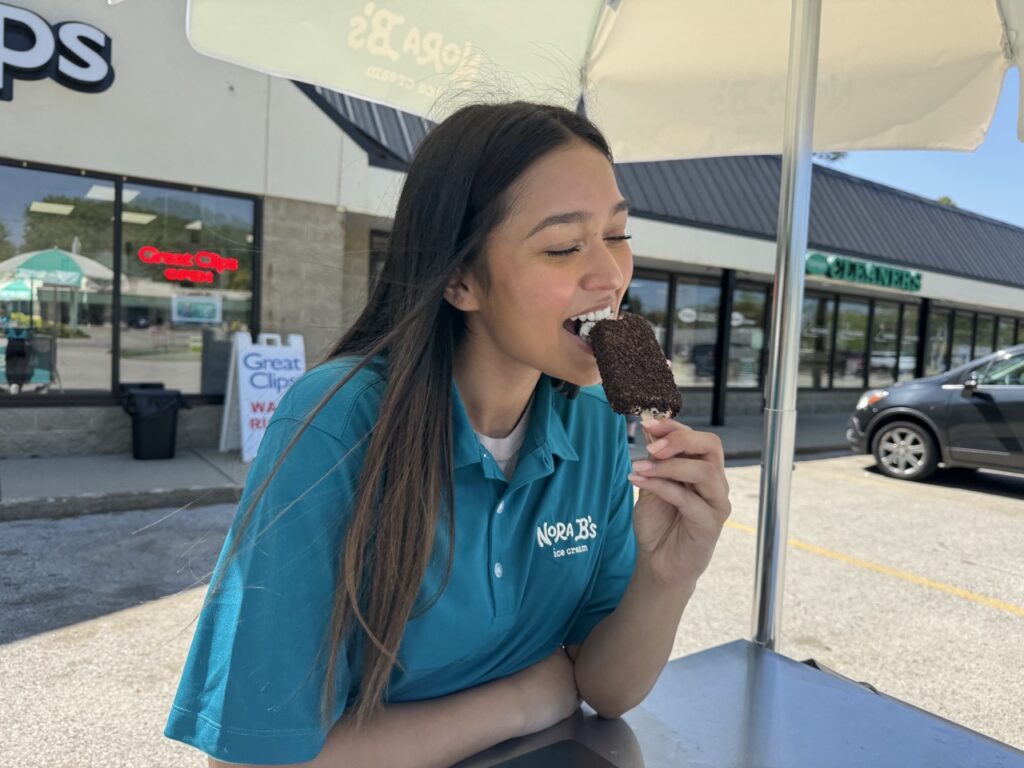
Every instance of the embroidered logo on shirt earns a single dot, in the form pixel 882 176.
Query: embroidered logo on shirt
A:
pixel 552 534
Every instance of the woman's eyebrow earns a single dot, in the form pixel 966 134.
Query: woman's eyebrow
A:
pixel 573 217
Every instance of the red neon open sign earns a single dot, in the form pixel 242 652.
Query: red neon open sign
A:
pixel 187 267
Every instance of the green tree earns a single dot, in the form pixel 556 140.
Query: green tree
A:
pixel 946 200
pixel 91 221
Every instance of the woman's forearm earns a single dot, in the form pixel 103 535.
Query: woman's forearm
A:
pixel 438 732
pixel 620 661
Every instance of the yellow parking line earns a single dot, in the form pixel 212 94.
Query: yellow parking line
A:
pixel 920 581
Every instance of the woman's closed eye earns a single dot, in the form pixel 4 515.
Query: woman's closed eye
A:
pixel 617 239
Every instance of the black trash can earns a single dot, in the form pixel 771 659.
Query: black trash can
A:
pixel 154 415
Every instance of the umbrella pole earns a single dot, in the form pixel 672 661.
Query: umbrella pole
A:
pixel 787 304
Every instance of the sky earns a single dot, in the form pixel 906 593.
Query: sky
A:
pixel 989 181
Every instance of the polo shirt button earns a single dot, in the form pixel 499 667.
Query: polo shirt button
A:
pixel 498 570
pixel 501 507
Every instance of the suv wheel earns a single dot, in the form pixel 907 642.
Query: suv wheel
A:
pixel 906 451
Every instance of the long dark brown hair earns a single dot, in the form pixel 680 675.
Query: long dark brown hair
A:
pixel 456 192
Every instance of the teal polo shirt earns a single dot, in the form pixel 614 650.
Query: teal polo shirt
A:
pixel 539 560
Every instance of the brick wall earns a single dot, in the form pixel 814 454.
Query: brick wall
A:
pixel 83 430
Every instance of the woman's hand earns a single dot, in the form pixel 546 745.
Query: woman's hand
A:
pixel 546 692
pixel 683 503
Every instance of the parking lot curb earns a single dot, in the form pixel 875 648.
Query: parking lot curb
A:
pixel 125 501
pixel 16 510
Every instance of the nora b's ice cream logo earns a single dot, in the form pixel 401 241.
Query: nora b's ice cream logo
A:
pixel 383 33
pixel 553 534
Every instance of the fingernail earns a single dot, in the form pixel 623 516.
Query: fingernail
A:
pixel 642 466
pixel 657 445
pixel 637 479
pixel 648 423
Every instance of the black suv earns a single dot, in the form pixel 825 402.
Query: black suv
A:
pixel 971 416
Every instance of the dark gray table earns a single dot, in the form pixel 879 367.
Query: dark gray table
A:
pixel 740 705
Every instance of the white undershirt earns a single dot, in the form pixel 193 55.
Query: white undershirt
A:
pixel 505 450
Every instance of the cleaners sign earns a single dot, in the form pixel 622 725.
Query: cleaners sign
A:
pixel 863 272
pixel 259 374
pixel 72 53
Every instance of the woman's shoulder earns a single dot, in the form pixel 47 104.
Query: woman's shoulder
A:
pixel 589 412
pixel 354 404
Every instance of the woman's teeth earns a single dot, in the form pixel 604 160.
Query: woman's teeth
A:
pixel 589 319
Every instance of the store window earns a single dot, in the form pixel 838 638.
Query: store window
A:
pixel 56 281
pixel 815 341
pixel 695 333
pixel 984 335
pixel 1004 332
pixel 937 350
pixel 851 343
pixel 963 338
pixel 188 263
pixel 747 343
pixel 908 343
pixel 884 343
pixel 648 296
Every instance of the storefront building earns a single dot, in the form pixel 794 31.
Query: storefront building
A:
pixel 897 286
pixel 150 209
pixel 149 213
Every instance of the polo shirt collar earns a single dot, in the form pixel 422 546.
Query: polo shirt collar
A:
pixel 546 432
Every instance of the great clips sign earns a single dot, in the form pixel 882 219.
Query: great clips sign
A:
pixel 188 267
pixel 72 53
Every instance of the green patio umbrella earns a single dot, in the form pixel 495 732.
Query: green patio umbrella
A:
pixel 15 290
pixel 54 267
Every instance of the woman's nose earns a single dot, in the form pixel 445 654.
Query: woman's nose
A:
pixel 607 269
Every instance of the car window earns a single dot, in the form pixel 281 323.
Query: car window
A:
pixel 1009 371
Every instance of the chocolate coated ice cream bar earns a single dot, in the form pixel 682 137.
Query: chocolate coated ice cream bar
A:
pixel 634 372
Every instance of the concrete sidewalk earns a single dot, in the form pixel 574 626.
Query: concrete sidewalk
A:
pixel 75 485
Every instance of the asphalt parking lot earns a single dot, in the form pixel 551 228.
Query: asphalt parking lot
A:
pixel 915 588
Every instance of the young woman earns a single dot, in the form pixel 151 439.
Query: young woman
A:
pixel 437 547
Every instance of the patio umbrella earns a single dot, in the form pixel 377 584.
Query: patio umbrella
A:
pixel 55 267
pixel 669 79
pixel 14 290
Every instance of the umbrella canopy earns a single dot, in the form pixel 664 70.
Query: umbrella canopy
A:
pixel 15 290
pixel 55 266
pixel 663 79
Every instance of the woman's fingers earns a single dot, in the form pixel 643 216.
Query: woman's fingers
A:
pixel 706 480
pixel 689 504
pixel 680 439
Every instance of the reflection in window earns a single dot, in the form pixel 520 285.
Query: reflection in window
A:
pixel 815 341
pixel 884 333
pixel 696 332
pixel 56 281
pixel 983 336
pixel 1008 372
pixel 963 333
pixel 938 341
pixel 908 342
pixel 648 297
pixel 188 262
pixel 1004 333
pixel 851 341
pixel 746 347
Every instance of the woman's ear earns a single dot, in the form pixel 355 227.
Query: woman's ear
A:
pixel 461 293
